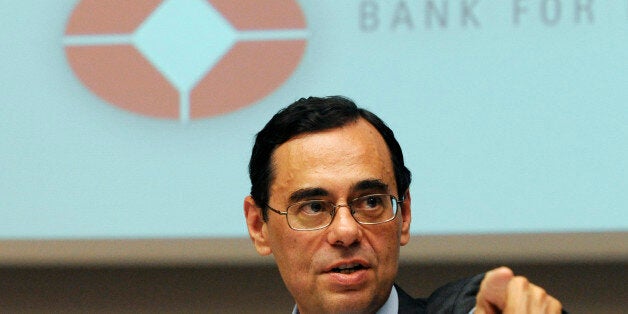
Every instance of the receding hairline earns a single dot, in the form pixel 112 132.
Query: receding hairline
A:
pixel 349 123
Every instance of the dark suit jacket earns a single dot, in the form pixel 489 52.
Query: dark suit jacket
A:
pixel 454 298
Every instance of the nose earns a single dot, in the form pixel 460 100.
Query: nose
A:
pixel 344 229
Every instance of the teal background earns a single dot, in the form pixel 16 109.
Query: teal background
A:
pixel 508 127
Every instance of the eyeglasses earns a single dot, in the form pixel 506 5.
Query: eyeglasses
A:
pixel 317 214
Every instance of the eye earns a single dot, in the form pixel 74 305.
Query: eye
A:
pixel 313 207
pixel 371 202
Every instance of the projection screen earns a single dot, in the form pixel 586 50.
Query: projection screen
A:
pixel 127 125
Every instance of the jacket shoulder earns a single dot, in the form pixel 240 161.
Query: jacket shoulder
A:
pixel 457 297
pixel 453 298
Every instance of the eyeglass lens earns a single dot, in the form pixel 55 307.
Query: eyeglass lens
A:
pixel 368 209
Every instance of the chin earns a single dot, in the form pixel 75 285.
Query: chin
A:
pixel 355 302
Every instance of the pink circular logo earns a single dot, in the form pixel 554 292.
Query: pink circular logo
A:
pixel 184 59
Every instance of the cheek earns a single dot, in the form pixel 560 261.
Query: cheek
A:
pixel 389 261
pixel 387 245
pixel 291 252
pixel 294 260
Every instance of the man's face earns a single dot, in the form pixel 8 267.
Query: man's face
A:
pixel 336 165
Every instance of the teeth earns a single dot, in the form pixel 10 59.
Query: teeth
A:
pixel 346 266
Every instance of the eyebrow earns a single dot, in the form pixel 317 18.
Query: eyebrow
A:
pixel 364 185
pixel 306 193
pixel 370 184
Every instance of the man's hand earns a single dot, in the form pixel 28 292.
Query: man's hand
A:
pixel 503 292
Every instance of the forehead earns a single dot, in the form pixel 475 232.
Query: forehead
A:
pixel 333 159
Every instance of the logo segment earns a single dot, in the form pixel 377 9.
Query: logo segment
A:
pixel 184 60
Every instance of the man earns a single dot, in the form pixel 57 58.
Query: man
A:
pixel 330 201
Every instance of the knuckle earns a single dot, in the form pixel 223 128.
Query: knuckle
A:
pixel 555 302
pixel 519 282
pixel 542 293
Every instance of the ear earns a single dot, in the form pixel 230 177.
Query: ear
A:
pixel 406 217
pixel 257 226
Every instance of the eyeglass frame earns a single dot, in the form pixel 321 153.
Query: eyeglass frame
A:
pixel 398 201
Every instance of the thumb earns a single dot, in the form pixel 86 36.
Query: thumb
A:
pixel 492 295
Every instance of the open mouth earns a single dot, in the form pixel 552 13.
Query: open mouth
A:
pixel 348 268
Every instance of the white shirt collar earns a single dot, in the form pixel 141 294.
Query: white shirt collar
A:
pixel 392 304
pixel 390 307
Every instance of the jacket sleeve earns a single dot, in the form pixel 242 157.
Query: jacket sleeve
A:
pixel 455 298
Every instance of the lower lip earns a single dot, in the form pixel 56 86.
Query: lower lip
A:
pixel 351 280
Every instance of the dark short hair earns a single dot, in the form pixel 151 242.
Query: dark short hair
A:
pixel 308 115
